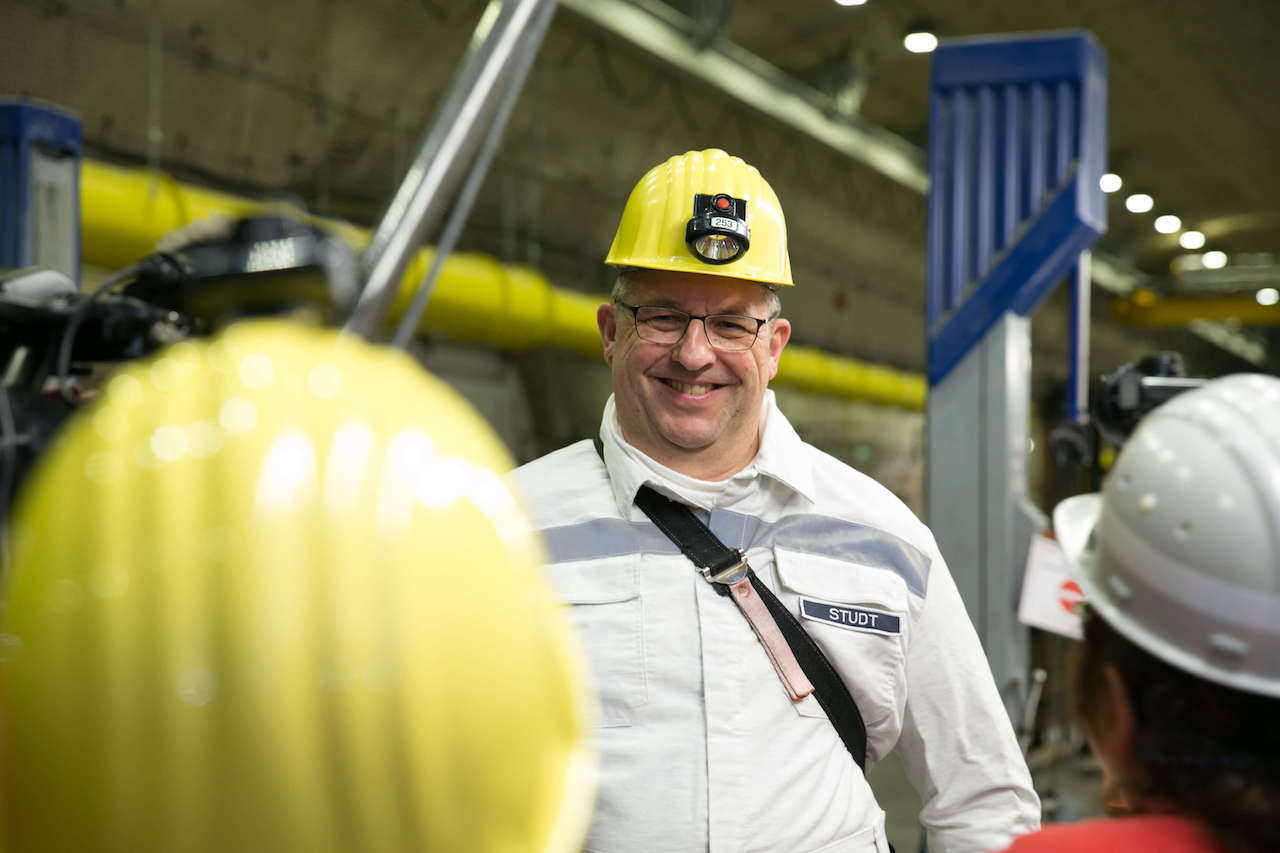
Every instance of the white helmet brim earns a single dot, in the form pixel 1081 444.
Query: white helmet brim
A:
pixel 1074 520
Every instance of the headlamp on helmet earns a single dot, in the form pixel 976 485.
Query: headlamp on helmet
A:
pixel 718 232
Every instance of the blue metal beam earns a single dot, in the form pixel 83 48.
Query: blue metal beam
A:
pixel 1017 145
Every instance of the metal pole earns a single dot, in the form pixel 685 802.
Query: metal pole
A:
pixel 490 68
pixel 1078 320
pixel 466 197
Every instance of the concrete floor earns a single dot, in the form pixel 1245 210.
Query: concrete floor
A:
pixel 1069 788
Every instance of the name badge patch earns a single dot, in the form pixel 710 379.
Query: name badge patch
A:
pixel 851 618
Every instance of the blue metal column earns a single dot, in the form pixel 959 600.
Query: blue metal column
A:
pixel 39 187
pixel 1017 145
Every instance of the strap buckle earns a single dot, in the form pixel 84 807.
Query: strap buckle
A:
pixel 731 575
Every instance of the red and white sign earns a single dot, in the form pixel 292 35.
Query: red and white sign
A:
pixel 1049 595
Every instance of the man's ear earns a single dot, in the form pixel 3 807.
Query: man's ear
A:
pixel 1122 727
pixel 607 320
pixel 777 340
pixel 1111 736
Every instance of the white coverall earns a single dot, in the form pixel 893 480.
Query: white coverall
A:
pixel 700 746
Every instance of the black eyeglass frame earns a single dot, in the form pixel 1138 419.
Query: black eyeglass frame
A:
pixel 635 318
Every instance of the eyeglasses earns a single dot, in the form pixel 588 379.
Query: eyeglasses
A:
pixel 725 332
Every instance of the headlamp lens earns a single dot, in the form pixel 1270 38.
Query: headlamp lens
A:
pixel 716 247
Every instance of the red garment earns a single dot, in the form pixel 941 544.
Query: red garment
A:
pixel 1154 833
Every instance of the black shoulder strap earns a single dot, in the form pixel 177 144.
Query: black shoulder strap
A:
pixel 705 550
pixel 828 689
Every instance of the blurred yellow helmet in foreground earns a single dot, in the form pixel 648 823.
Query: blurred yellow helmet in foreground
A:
pixel 704 212
pixel 272 593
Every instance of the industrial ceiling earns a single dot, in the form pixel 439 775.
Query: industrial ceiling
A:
pixel 323 102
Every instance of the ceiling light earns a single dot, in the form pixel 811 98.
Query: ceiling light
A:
pixel 1191 240
pixel 1168 224
pixel 1214 260
pixel 920 41
pixel 850 2
pixel 1110 182
pixel 1139 203
pixel 1267 296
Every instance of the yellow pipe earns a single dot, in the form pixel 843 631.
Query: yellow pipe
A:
pixel 1144 308
pixel 125 211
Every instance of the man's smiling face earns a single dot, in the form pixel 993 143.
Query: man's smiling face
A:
pixel 691 407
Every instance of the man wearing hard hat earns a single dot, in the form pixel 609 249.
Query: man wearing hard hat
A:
pixel 1178 678
pixel 760 618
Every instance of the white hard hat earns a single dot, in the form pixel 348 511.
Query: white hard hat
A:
pixel 1180 552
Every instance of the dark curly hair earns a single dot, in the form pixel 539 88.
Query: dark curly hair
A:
pixel 1205 751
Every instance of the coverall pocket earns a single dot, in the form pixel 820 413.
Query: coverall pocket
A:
pixel 606 608
pixel 869 840
pixel 858 616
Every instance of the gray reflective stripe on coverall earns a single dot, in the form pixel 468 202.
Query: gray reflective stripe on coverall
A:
pixel 818 535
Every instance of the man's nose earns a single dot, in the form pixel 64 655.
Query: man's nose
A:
pixel 693 351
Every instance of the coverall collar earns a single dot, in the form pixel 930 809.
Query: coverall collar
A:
pixel 781 457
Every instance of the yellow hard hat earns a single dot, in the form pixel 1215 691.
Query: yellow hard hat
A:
pixel 271 593
pixel 704 212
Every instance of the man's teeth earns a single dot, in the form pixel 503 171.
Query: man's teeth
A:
pixel 689 389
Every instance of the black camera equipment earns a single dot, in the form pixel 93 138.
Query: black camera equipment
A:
pixel 51 332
